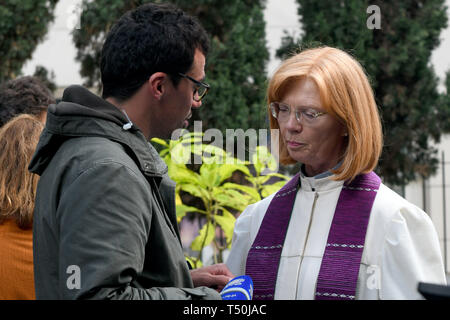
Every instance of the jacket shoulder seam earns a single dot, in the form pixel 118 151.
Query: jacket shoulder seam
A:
pixel 96 164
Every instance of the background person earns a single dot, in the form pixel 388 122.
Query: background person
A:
pixel 105 223
pixel 24 95
pixel 18 140
pixel 334 231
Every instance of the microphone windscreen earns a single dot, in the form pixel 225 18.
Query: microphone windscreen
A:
pixel 239 288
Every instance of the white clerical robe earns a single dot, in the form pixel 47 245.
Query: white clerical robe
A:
pixel 401 247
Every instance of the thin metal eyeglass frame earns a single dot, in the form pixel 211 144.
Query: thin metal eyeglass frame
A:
pixel 298 114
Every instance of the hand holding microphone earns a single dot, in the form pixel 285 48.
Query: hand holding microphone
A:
pixel 239 288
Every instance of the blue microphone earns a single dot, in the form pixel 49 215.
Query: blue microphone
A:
pixel 239 288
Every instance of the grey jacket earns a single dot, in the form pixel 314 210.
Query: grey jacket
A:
pixel 104 221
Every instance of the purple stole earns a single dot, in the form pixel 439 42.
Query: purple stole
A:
pixel 341 261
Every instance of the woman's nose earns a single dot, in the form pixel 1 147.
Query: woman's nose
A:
pixel 292 123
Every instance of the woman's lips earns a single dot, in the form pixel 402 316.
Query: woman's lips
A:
pixel 293 144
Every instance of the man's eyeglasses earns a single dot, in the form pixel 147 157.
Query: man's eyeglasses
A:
pixel 200 89
pixel 282 113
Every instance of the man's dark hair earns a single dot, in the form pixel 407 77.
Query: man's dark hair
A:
pixel 152 38
pixel 23 95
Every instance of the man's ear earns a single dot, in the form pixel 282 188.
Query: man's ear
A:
pixel 157 84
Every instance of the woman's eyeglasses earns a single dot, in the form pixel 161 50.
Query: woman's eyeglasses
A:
pixel 282 112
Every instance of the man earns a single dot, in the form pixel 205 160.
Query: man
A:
pixel 24 95
pixel 105 224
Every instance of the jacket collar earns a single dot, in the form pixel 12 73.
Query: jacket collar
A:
pixel 83 114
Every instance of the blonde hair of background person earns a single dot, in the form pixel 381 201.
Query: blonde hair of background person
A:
pixel 18 140
pixel 346 95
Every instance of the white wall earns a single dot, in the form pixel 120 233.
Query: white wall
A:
pixel 57 52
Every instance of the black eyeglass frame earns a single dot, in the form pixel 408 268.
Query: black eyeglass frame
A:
pixel 199 84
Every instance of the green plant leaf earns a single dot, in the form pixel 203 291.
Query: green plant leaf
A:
pixel 182 175
pixel 279 175
pixel 226 170
pixel 209 175
pixel 196 191
pixel 164 152
pixel 213 155
pixel 262 159
pixel 160 141
pixel 204 238
pixel 268 189
pixel 195 262
pixel 231 198
pixel 180 153
pixel 262 179
pixel 248 190
pixel 182 209
pixel 226 221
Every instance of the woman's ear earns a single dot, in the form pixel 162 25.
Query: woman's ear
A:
pixel 344 130
pixel 157 84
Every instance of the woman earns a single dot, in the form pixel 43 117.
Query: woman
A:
pixel 334 231
pixel 18 140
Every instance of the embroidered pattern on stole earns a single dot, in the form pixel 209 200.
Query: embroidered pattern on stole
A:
pixel 264 256
pixel 341 261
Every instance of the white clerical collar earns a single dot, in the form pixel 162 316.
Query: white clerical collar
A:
pixel 319 182
pixel 320 175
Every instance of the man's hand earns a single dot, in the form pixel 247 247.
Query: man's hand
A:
pixel 215 276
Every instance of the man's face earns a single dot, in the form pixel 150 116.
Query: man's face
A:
pixel 181 99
